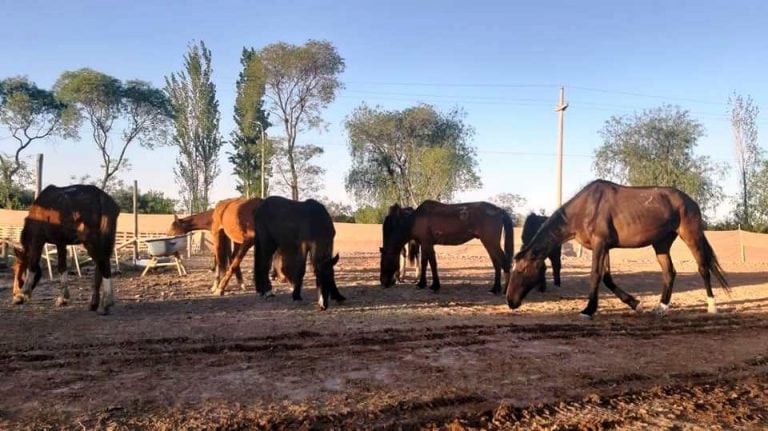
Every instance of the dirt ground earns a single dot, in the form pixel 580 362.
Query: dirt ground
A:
pixel 172 356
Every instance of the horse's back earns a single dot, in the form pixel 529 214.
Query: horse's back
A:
pixel 293 220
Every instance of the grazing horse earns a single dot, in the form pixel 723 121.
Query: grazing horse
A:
pixel 232 222
pixel 604 215
pixel 297 229
pixel 531 225
pixel 78 214
pixel 434 223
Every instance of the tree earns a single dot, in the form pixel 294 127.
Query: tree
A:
pixel 744 127
pixel 655 148
pixel 246 138
pixel 409 156
pixel 300 82
pixel 288 168
pixel 340 212
pixel 511 203
pixel 196 120
pixel 107 104
pixel 29 113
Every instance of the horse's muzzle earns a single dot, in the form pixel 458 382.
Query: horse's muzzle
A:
pixel 513 304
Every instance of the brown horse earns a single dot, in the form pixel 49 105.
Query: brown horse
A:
pixel 531 225
pixel 604 215
pixel 232 222
pixel 298 229
pixel 78 214
pixel 199 221
pixel 434 223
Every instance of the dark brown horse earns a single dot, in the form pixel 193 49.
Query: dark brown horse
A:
pixel 434 223
pixel 297 229
pixel 78 214
pixel 604 215
pixel 531 225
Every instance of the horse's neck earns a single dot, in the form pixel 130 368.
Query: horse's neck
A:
pixel 552 234
pixel 198 223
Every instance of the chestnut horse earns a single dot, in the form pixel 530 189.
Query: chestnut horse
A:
pixel 199 221
pixel 232 222
pixel 297 229
pixel 531 225
pixel 78 214
pixel 434 223
pixel 604 215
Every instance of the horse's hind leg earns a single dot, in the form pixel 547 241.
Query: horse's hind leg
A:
pixel 61 252
pixel 234 266
pixel 300 269
pixel 609 283
pixel 497 258
pixel 429 254
pixel 697 244
pixel 422 283
pixel 668 272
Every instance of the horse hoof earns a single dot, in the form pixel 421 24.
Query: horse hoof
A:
pixel 639 308
pixel 660 309
pixel 585 316
pixel 269 294
pixel 61 302
pixel 20 299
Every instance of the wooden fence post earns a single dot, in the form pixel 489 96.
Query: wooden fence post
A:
pixel 741 246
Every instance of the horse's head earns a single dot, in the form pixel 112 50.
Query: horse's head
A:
pixel 177 227
pixel 22 273
pixel 395 235
pixel 527 273
pixel 326 277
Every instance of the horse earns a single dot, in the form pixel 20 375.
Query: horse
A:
pixel 78 214
pixel 603 216
pixel 531 225
pixel 434 223
pixel 298 229
pixel 232 222
pixel 199 221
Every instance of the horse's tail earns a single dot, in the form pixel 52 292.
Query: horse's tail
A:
pixel 509 239
pixel 712 264
pixel 413 251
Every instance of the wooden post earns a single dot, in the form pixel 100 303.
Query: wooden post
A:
pixel 560 109
pixel 39 175
pixel 135 221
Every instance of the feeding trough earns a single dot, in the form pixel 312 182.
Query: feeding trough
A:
pixel 165 252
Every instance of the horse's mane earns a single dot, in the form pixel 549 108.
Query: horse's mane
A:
pixel 531 225
pixel 547 237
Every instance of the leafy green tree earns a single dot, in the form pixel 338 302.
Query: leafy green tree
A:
pixel 410 155
pixel 369 214
pixel 511 203
pixel 656 148
pixel 339 211
pixel 151 202
pixel 29 113
pixel 744 114
pixel 300 82
pixel 251 121
pixel 300 164
pixel 196 119
pixel 119 114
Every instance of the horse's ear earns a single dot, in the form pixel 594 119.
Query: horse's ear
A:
pixel 335 259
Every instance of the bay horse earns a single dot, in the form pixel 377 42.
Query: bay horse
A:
pixel 604 215
pixel 298 229
pixel 434 223
pixel 77 214
pixel 531 225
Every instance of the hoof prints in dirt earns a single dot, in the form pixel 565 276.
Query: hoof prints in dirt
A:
pixel 742 404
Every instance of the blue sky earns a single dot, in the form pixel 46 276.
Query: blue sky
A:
pixel 502 61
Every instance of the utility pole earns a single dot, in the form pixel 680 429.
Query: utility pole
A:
pixel 560 109
pixel 38 175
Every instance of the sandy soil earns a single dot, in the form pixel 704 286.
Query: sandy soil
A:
pixel 172 356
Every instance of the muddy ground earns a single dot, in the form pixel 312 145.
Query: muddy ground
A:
pixel 172 356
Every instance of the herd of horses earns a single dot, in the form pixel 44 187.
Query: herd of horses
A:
pixel 286 233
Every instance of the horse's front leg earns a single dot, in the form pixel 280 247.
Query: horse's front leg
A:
pixel 429 253
pixel 301 268
pixel 61 253
pixel 598 262
pixel 621 294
